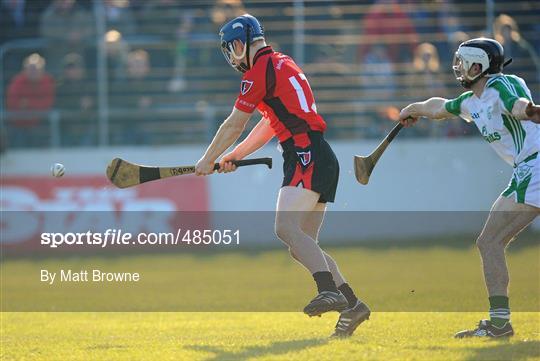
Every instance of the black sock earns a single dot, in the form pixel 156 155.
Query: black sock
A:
pixel 324 281
pixel 349 294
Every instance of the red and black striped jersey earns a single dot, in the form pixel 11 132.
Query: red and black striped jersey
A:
pixel 276 87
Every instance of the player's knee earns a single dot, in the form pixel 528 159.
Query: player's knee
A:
pixel 279 230
pixel 293 255
pixel 485 242
pixel 480 243
pixel 282 231
pixel 313 233
pixel 286 231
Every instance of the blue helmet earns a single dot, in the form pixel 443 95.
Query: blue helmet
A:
pixel 245 28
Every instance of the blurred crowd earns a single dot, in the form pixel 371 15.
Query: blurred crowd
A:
pixel 165 81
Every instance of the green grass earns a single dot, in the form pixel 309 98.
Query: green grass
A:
pixel 435 282
pixel 255 336
pixel 393 279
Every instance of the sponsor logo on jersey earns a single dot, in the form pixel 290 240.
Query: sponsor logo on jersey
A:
pixel 247 104
pixel 305 157
pixel 475 115
pixel 246 86
pixel 490 137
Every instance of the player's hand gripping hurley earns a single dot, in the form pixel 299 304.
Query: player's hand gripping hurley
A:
pixel 124 174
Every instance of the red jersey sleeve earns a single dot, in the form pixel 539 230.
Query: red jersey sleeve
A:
pixel 252 91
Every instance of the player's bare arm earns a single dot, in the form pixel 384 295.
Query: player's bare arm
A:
pixel 432 108
pixel 256 139
pixel 228 133
pixel 524 109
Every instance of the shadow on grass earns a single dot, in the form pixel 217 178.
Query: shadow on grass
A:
pixel 273 349
pixel 504 350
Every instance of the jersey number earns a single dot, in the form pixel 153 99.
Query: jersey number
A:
pixel 300 93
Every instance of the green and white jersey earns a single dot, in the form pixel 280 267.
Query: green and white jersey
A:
pixel 512 139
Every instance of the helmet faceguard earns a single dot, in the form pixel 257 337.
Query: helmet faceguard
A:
pixel 464 58
pixel 246 29
pixel 234 60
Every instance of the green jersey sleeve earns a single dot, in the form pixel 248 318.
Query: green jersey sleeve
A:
pixel 509 89
pixel 453 106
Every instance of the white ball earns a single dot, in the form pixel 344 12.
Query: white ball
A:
pixel 57 170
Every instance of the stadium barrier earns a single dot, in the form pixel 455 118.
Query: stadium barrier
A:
pixel 420 188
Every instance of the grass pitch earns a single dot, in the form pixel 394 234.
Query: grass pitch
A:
pixel 432 281
pixel 255 336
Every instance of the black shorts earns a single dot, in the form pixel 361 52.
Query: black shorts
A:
pixel 312 166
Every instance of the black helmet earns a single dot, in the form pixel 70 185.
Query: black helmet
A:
pixel 493 49
pixel 488 53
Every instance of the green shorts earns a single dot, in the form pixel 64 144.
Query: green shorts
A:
pixel 525 183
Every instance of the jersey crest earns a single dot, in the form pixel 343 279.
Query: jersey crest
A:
pixel 245 86
pixel 305 157
pixel 523 171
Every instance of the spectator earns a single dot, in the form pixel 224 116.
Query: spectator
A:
pixel 449 30
pixel 425 80
pixel 506 32
pixel 182 34
pixel 206 30
pixel 118 16
pixel 378 73
pixel 133 98
pixel 387 24
pixel 164 19
pixel 329 73
pixel 17 21
pixel 117 53
pixel 74 92
pixel 12 18
pixel 421 15
pixel 427 71
pixel 32 90
pixel 159 18
pixel 334 14
pixel 68 28
pixel 76 99
pixel 378 83
pixel 17 18
pixel 454 40
pixel 138 81
pixel 449 23
pixel 225 10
